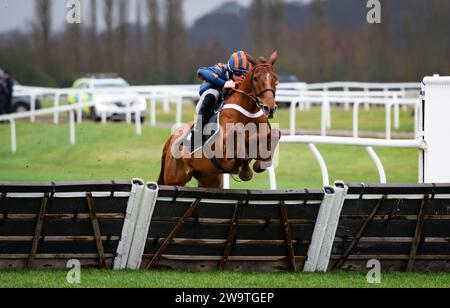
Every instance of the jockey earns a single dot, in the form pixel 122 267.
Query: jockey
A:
pixel 217 79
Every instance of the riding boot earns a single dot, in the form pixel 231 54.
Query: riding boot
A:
pixel 205 112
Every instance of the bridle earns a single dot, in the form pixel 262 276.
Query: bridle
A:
pixel 257 97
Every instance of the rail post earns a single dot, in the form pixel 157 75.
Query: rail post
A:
pixel 272 178
pixel 388 121
pixel 137 120
pixel 72 127
pixel 378 164
pixel 347 102
pixel 326 115
pixel 356 119
pixel 293 117
pixel 179 111
pixel 322 164
pixel 328 105
pixel 56 106
pixel 166 105
pixel 396 112
pixel 367 105
pixel 153 110
pixel 226 181
pixel 80 109
pixel 128 113
pixel 33 106
pixel 13 136
pixel 104 117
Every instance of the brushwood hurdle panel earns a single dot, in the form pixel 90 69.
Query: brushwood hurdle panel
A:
pixel 45 225
pixel 132 225
pixel 405 227
pixel 235 230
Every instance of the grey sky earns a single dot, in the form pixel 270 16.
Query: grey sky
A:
pixel 16 14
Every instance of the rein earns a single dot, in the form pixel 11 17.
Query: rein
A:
pixel 255 99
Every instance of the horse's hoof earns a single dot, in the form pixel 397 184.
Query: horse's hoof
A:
pixel 260 166
pixel 246 175
pixel 257 167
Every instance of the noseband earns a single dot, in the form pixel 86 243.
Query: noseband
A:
pixel 257 97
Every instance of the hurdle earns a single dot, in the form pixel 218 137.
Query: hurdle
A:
pixel 132 225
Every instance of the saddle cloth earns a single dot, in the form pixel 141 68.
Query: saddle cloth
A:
pixel 197 140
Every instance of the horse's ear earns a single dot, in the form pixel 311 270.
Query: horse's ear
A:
pixel 251 59
pixel 273 58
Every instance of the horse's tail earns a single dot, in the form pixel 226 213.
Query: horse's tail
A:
pixel 163 162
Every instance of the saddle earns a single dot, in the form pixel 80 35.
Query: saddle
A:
pixel 196 140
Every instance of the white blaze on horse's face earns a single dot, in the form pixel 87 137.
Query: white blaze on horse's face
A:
pixel 265 86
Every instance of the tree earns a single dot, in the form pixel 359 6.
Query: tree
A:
pixel 154 32
pixel 94 17
pixel 257 29
pixel 379 47
pixel 436 20
pixel 108 17
pixel 123 33
pixel 276 9
pixel 44 20
pixel 93 35
pixel 175 37
pixel 319 54
pixel 318 11
pixel 139 25
pixel 74 46
pixel 43 9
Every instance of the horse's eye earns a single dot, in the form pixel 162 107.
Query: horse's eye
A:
pixel 277 82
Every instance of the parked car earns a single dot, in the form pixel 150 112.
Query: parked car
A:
pixel 288 83
pixel 22 103
pixel 288 79
pixel 110 99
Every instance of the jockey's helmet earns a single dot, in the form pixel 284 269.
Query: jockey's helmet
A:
pixel 239 63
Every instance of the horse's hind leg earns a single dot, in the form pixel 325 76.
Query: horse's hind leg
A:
pixel 175 174
pixel 174 170
pixel 209 180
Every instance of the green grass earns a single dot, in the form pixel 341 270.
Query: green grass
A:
pixel 173 279
pixel 113 151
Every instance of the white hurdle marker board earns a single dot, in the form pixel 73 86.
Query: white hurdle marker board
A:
pixel 435 129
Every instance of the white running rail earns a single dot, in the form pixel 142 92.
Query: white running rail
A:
pixel 367 143
pixel 71 109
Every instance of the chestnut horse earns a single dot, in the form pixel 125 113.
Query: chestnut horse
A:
pixel 252 102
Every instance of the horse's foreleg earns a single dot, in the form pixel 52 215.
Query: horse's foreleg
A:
pixel 209 180
pixel 245 173
pixel 270 146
